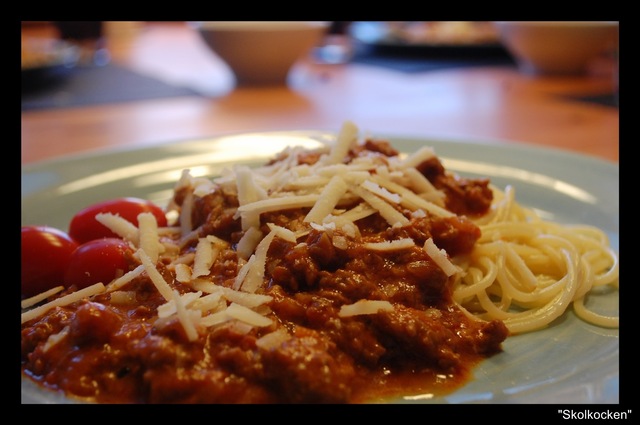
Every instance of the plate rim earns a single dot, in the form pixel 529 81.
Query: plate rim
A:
pixel 489 142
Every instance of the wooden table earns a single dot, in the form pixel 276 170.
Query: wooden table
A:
pixel 467 104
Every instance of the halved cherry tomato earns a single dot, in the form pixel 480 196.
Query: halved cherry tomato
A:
pixel 99 260
pixel 84 227
pixel 46 253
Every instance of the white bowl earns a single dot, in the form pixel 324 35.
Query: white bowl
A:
pixel 557 47
pixel 261 52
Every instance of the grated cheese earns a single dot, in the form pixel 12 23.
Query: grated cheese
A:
pixel 202 187
pixel 63 301
pixel 346 138
pixel 248 242
pixel 388 212
pixel 184 317
pixel 381 192
pixel 209 303
pixel 183 259
pixel 155 276
pixel 120 226
pixel 215 319
pixel 55 339
pixel 123 297
pixel 246 299
pixel 255 274
pixel 278 204
pixel 124 279
pixel 440 257
pixel 413 201
pixel 170 307
pixel 273 339
pixel 248 192
pixel 329 198
pixel 390 245
pixel 186 224
pixel 184 181
pixel 418 157
pixel 246 315
pixel 340 242
pixel 419 183
pixel 28 302
pixel 283 233
pixel 183 273
pixel 308 182
pixel 362 307
pixel 148 235
pixel 240 327
pixel 356 213
pixel 242 273
pixel 207 251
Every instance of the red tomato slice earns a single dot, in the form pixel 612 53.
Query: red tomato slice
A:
pixel 99 260
pixel 46 253
pixel 84 227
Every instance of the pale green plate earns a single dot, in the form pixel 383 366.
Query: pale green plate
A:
pixel 570 362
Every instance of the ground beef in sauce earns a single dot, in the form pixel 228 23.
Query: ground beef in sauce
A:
pixel 471 197
pixel 116 353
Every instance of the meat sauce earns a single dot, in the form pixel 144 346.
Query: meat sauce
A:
pixel 114 352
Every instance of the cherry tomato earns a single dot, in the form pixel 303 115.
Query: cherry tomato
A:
pixel 46 253
pixel 84 227
pixel 99 260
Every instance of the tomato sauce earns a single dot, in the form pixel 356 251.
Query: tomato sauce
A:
pixel 121 352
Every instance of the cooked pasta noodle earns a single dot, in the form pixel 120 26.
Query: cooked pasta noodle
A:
pixel 528 271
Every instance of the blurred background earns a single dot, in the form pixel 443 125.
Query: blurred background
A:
pixel 108 84
pixel 70 63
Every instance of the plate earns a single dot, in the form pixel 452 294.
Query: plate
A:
pixel 441 38
pixel 571 362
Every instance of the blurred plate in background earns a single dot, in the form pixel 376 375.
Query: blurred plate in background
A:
pixel 433 37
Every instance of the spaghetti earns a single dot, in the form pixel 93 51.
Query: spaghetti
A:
pixel 527 271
